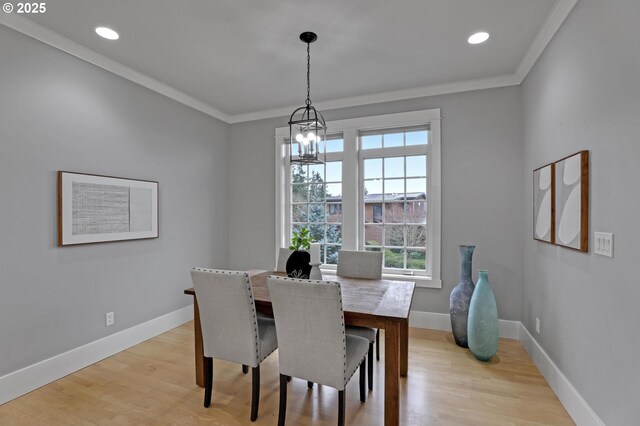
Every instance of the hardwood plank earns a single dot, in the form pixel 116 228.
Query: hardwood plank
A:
pixel 152 384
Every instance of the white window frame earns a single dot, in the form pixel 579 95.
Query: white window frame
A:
pixel 351 209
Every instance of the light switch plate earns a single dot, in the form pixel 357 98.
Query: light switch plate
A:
pixel 603 244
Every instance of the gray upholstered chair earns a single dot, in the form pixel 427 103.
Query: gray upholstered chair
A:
pixel 367 265
pixel 283 256
pixel 313 345
pixel 231 329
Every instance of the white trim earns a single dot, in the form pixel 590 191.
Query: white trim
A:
pixel 34 376
pixel 52 38
pixel 350 128
pixel 396 95
pixel 554 21
pixel 573 402
pixel 581 413
pixel 436 321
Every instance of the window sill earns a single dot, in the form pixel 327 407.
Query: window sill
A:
pixel 421 281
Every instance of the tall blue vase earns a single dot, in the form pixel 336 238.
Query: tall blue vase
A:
pixel 461 297
pixel 483 320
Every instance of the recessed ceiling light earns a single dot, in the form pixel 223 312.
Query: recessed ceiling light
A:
pixel 107 33
pixel 478 38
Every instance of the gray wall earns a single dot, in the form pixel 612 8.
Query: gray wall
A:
pixel 481 196
pixel 60 113
pixel 584 93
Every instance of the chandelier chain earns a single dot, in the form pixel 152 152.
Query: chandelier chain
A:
pixel 308 101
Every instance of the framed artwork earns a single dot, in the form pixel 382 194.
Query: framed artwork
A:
pixel 572 201
pixel 544 203
pixel 93 209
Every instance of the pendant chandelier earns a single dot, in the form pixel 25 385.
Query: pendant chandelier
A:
pixel 307 128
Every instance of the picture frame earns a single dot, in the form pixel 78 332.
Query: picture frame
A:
pixel 96 208
pixel 571 216
pixel 544 203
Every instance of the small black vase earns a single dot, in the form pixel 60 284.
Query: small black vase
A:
pixel 298 264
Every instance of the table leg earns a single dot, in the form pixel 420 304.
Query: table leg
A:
pixel 392 373
pixel 404 348
pixel 199 348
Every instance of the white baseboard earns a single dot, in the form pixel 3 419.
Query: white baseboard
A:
pixel 576 406
pixel 436 321
pixel 569 397
pixel 34 376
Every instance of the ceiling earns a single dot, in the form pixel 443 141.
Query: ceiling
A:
pixel 244 57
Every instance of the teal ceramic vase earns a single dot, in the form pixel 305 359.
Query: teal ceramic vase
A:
pixel 482 328
pixel 461 297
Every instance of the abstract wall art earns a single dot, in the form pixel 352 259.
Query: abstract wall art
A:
pixel 543 203
pixel 93 208
pixel 572 201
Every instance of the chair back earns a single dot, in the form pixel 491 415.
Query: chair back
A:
pixel 310 329
pixel 360 264
pixel 283 256
pixel 227 315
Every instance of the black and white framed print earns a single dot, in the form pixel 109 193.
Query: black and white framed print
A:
pixel 93 208
pixel 572 201
pixel 544 203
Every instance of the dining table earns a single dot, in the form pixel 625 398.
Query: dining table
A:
pixel 383 304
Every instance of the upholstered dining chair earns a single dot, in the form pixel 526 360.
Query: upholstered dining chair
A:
pixel 313 345
pixel 283 256
pixel 231 329
pixel 367 265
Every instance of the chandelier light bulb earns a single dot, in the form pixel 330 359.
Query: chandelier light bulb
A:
pixel 311 136
pixel 299 137
pixel 305 141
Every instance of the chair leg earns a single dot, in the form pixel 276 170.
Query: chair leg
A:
pixel 310 385
pixel 341 408
pixel 245 369
pixel 370 366
pixel 363 393
pixel 282 411
pixel 255 392
pixel 208 381
pixel 378 345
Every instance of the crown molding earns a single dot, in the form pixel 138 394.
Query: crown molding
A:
pixel 52 38
pixel 554 21
pixel 396 95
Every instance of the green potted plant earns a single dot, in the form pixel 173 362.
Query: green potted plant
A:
pixel 298 263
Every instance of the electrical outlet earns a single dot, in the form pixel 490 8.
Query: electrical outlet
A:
pixel 110 318
pixel 538 325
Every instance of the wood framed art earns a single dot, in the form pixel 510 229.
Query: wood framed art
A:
pixel 544 203
pixel 572 201
pixel 94 209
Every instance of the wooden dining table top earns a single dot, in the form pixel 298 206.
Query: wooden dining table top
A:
pixel 380 299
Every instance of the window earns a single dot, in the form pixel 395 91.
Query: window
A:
pixel 316 202
pixel 379 190
pixel 396 184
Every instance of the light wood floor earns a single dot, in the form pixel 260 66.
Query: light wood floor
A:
pixel 153 384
